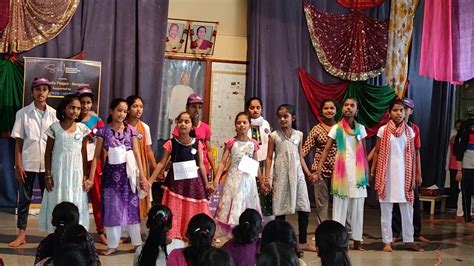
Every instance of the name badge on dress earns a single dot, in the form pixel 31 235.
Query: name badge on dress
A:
pixel 185 170
pixel 117 155
pixel 248 166
pixel 90 151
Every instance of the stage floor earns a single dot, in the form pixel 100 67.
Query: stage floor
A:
pixel 452 243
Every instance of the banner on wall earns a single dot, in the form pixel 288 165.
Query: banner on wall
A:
pixel 66 76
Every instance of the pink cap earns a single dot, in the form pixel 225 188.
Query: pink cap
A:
pixel 84 91
pixel 409 103
pixel 40 81
pixel 194 98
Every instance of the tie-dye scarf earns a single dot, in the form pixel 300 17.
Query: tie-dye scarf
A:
pixel 340 186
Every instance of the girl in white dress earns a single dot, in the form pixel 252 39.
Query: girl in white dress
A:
pixel 65 164
pixel 290 193
pixel 240 188
pixel 394 165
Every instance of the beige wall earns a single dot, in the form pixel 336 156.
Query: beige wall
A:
pixel 231 41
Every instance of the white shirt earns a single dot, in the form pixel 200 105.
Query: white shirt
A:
pixel 395 183
pixel 160 260
pixel 265 131
pixel 147 134
pixel 31 127
pixel 354 192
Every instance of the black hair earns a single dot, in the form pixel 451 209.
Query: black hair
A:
pixel 159 221
pixel 76 234
pixel 250 224
pixel 61 108
pixel 279 231
pixel 328 100
pixel 396 102
pixel 249 101
pixel 242 114
pixel 290 109
pixel 216 257
pixel 115 102
pixel 131 100
pixel 458 121
pixel 64 214
pixel 352 98
pixel 197 30
pixel 72 255
pixel 332 242
pixel 277 254
pixel 192 133
pixel 200 232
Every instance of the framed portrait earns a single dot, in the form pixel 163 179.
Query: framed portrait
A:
pixel 176 35
pixel 181 78
pixel 202 38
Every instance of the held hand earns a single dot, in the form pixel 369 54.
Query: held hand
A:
pixel 20 174
pixel 48 183
pixel 87 184
pixel 210 188
pixel 145 185
pixel 459 176
pixel 418 181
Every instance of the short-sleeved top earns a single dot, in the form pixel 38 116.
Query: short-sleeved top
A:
pixel 230 143
pixel 147 134
pixel 416 129
pixel 168 146
pixel 31 125
pixel 160 260
pixel 243 254
pixel 176 258
pixel 93 123
pixel 203 134
pixel 354 192
pixel 56 128
pixel 318 137
pixel 395 182
pixel 114 139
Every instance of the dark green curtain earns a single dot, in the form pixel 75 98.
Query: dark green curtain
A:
pixel 11 93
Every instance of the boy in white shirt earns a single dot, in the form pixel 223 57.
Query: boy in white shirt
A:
pixel 30 142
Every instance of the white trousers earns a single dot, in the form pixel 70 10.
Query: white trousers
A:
pixel 114 233
pixel 406 211
pixel 350 210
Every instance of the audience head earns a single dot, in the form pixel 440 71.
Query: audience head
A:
pixel 216 257
pixel 277 254
pixel 279 231
pixel 72 255
pixel 65 214
pixel 159 222
pixel 200 232
pixel 332 243
pixel 248 229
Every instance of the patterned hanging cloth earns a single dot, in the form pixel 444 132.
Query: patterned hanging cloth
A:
pixel 35 22
pixel 400 32
pixel 349 46
pixel 4 14
pixel 360 4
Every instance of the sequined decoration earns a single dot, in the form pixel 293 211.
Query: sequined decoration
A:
pixel 400 32
pixel 362 4
pixel 35 22
pixel 349 46
pixel 4 14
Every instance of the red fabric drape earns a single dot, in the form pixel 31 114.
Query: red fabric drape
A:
pixel 361 4
pixel 316 91
pixel 4 14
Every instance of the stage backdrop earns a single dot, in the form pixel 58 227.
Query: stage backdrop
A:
pixel 66 76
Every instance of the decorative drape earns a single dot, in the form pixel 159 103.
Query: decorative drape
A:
pixel 35 22
pixel 463 39
pixel 11 92
pixel 400 32
pixel 349 46
pixel 360 4
pixel 373 100
pixel 4 14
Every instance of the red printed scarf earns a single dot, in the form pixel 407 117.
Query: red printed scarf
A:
pixel 383 156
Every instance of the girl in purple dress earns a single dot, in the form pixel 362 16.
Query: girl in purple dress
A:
pixel 119 186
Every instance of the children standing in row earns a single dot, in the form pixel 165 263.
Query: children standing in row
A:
pixel 240 188
pixel 29 131
pixel 185 185
pixel 350 175
pixel 65 164
pixel 93 122
pixel 121 203
pixel 147 156
pixel 260 131
pixel 290 193
pixel 394 161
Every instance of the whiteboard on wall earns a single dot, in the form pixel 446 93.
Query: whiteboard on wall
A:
pixel 227 99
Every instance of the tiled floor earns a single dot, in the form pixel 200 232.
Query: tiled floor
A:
pixel 452 244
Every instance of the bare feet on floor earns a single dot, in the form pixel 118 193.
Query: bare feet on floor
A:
pixel 109 251
pixel 102 239
pixel 388 247
pixel 358 246
pixel 413 247
pixel 307 247
pixel 422 239
pixel 19 241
